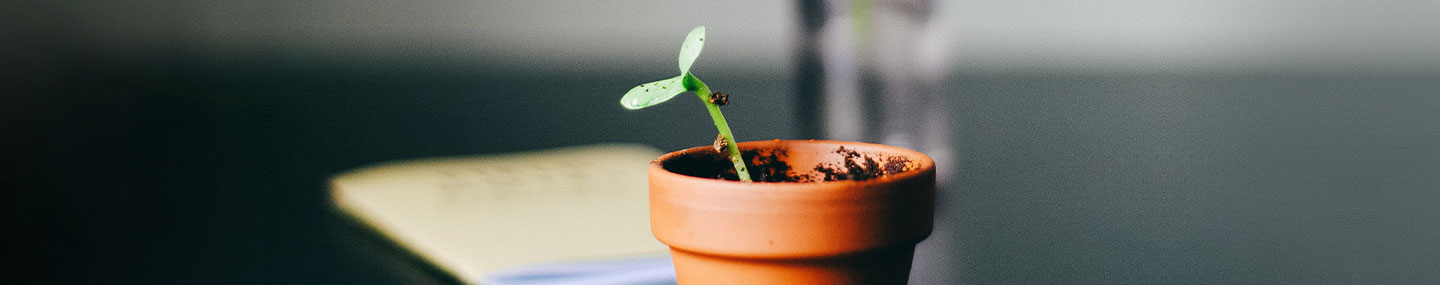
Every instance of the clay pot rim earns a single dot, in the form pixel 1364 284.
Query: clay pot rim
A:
pixel 923 162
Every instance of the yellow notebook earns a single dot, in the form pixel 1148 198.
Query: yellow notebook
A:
pixel 470 216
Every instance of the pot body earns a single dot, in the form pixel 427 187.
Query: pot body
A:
pixel 834 232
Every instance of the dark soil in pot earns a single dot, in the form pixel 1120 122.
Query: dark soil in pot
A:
pixel 774 165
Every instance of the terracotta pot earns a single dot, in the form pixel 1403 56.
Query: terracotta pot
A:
pixel 832 232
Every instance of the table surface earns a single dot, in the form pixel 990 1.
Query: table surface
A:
pixel 214 172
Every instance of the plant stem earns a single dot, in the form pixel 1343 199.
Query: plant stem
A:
pixel 715 115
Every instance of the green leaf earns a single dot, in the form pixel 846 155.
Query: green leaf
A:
pixel 653 93
pixel 690 49
pixel 691 83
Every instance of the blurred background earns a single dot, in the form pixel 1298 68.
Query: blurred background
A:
pixel 1273 141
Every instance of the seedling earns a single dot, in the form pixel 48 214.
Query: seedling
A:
pixel 654 93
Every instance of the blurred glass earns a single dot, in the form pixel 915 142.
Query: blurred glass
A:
pixel 874 71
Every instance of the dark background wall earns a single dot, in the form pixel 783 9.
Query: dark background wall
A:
pixel 1098 142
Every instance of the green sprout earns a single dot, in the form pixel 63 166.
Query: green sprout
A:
pixel 654 93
